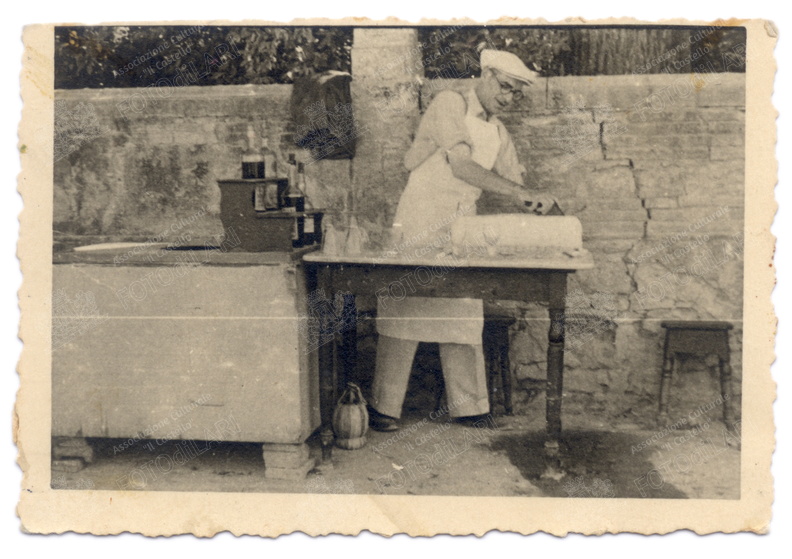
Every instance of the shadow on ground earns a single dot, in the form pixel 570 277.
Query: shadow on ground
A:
pixel 597 464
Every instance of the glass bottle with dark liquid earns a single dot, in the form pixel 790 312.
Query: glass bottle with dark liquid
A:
pixel 270 160
pixel 295 197
pixel 295 202
pixel 252 158
pixel 311 228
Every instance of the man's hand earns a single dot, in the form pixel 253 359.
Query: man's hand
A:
pixel 538 202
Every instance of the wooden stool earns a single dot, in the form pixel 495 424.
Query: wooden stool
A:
pixel 696 338
pixel 496 358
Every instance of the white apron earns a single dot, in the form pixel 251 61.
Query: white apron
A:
pixel 431 201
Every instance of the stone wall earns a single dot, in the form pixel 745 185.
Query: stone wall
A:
pixel 661 199
pixel 138 164
pixel 385 99
pixel 652 164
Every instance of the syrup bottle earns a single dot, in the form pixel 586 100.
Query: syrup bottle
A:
pixel 252 159
pixel 270 161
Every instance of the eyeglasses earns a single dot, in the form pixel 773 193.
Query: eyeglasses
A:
pixel 507 88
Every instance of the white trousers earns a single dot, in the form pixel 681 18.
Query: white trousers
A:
pixel 463 373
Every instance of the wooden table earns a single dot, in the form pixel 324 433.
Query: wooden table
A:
pixel 541 279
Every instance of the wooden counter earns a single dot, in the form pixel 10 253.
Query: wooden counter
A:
pixel 152 344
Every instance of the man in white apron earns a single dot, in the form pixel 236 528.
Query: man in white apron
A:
pixel 460 149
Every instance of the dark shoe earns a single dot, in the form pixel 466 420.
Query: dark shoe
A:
pixel 381 422
pixel 483 421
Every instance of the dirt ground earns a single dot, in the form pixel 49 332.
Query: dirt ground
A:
pixel 431 455
pixel 610 448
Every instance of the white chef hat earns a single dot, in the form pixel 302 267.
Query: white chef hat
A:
pixel 508 64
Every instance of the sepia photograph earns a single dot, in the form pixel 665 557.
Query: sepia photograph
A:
pixel 320 263
pixel 408 252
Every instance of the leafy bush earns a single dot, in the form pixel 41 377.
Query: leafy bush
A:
pixel 453 52
pixel 139 56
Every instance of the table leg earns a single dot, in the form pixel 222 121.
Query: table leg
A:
pixel 327 366
pixel 726 392
pixel 555 375
pixel 665 384
pixel 506 379
pixel 348 349
pixel 491 364
pixel 71 454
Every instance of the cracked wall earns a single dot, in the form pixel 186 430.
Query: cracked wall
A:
pixel 655 172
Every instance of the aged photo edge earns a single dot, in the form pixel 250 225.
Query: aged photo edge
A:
pixel 44 510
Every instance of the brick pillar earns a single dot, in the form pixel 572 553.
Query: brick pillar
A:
pixel 386 64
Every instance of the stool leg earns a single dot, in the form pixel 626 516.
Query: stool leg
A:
pixel 506 380
pixel 726 392
pixel 665 385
